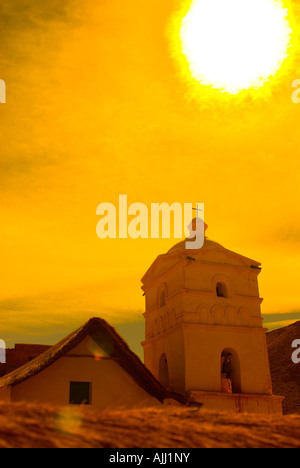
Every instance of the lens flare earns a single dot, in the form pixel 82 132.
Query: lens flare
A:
pixel 234 45
pixel 96 350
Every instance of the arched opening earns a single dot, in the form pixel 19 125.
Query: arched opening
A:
pixel 163 371
pixel 230 372
pixel 221 290
pixel 162 301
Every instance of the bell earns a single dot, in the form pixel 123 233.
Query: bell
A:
pixel 227 367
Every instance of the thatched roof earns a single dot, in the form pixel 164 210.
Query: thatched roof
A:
pixel 111 342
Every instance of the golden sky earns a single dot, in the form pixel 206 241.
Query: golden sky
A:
pixel 96 107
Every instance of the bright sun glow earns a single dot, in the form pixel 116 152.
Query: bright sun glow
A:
pixel 232 45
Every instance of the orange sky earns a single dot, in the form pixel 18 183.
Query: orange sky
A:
pixel 97 107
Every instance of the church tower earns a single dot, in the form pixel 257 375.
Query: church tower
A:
pixel 204 336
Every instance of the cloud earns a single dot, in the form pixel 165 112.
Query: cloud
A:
pixel 34 14
pixel 286 234
pixel 49 317
pixel 279 320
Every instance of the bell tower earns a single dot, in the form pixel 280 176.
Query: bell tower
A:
pixel 204 336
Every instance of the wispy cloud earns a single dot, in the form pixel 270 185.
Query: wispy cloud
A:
pixel 279 320
pixel 47 318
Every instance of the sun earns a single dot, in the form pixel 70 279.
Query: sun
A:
pixel 234 45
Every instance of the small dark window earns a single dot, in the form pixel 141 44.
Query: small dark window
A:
pixel 163 299
pixel 221 290
pixel 80 393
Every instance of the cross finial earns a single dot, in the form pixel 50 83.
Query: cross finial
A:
pixel 197 209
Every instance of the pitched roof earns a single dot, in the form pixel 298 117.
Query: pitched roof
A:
pixel 111 342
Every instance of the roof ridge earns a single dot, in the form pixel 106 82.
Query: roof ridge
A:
pixel 111 342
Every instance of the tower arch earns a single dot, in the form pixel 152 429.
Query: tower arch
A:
pixel 162 295
pixel 222 286
pixel 230 371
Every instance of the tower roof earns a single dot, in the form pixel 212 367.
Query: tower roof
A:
pixel 208 244
pixel 211 252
